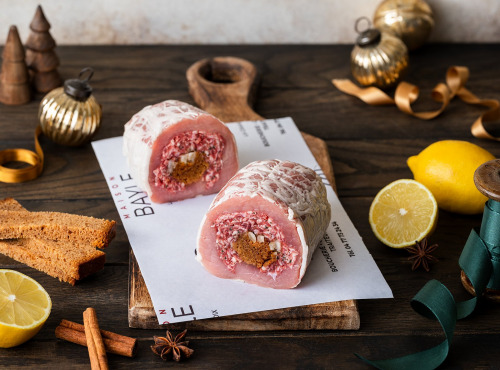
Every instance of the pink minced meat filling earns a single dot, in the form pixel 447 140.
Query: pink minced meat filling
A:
pixel 210 144
pixel 230 226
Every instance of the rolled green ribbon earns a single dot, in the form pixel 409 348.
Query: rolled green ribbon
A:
pixel 480 261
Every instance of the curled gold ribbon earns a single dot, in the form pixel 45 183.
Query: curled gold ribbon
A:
pixel 35 161
pixel 443 93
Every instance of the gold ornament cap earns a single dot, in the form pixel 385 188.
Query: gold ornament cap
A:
pixel 368 37
pixel 77 88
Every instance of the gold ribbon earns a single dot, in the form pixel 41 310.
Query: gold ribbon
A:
pixel 443 93
pixel 35 160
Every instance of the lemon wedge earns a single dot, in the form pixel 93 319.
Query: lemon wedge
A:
pixel 403 212
pixel 24 308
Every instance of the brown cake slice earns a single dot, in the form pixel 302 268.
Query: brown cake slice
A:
pixel 56 226
pixel 10 204
pixel 62 260
pixel 66 260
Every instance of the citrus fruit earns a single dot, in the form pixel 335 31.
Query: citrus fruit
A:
pixel 447 169
pixel 24 308
pixel 402 213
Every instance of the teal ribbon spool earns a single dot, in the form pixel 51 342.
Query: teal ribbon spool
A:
pixel 480 261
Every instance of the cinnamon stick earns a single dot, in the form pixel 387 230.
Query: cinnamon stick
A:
pixel 114 343
pixel 95 344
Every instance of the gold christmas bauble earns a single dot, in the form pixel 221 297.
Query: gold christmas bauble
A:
pixel 378 58
pixel 410 20
pixel 70 115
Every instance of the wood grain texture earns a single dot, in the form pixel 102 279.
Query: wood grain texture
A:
pixel 369 147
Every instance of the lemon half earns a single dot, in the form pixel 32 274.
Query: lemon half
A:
pixel 24 308
pixel 403 212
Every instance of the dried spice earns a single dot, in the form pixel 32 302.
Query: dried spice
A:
pixel 167 347
pixel 421 254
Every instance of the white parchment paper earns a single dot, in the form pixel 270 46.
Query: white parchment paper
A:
pixel 163 238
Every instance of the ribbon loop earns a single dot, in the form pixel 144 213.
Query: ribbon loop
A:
pixel 434 301
pixel 370 95
pixel 456 78
pixel 490 232
pixel 35 161
pixel 480 261
pixel 406 94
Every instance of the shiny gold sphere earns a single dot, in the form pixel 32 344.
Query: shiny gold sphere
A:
pixel 67 121
pixel 379 63
pixel 410 20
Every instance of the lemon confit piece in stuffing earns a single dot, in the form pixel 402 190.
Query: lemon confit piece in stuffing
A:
pixel 447 168
pixel 402 213
pixel 24 308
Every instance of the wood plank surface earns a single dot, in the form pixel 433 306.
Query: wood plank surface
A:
pixel 368 146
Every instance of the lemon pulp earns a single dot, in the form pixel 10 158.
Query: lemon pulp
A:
pixel 402 213
pixel 24 308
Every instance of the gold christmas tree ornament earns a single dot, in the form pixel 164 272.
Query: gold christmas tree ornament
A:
pixel 378 58
pixel 410 20
pixel 70 115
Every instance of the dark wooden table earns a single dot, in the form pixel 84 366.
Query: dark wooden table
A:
pixel 368 146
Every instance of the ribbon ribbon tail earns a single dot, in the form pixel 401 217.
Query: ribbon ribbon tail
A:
pixel 39 151
pixel 406 94
pixel 474 262
pixel 434 300
pixel 478 130
pixel 425 360
pixel 370 95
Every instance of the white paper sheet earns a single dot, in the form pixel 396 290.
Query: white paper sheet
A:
pixel 163 238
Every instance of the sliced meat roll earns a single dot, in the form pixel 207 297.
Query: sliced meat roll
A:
pixel 265 224
pixel 176 151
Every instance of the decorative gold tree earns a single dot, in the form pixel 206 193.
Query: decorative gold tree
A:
pixel 41 58
pixel 14 78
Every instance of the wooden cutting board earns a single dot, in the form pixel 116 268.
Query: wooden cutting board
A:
pixel 225 86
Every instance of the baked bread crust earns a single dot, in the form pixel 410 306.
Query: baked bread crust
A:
pixel 69 257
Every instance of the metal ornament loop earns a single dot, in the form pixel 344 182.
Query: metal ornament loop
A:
pixel 83 71
pixel 358 21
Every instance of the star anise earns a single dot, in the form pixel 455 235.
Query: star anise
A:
pixel 167 346
pixel 421 254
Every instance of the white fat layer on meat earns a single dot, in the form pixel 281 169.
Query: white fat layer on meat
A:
pixel 143 130
pixel 199 258
pixel 297 189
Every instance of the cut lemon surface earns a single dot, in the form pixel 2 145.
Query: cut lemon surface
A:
pixel 403 212
pixel 24 308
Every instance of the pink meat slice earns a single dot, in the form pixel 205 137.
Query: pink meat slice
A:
pixel 284 197
pixel 157 136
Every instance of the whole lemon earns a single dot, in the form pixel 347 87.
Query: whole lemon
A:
pixel 447 168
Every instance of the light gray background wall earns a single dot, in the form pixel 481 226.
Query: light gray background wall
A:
pixel 234 21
